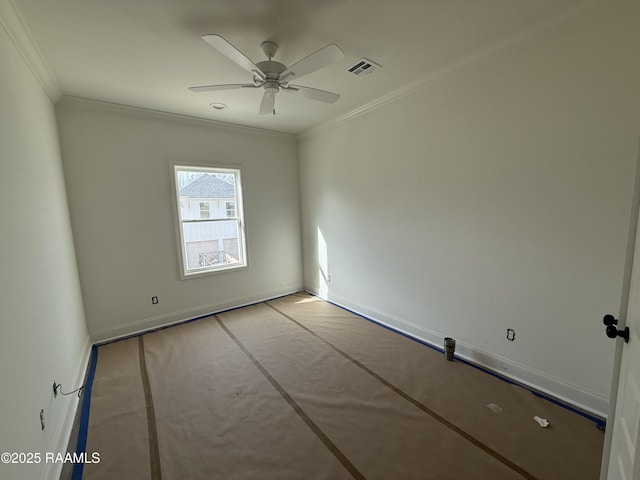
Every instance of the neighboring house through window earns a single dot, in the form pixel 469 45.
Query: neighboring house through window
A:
pixel 210 219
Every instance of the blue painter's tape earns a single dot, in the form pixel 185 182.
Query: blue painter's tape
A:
pixel 81 444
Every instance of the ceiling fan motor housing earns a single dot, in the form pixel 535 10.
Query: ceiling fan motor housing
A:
pixel 271 69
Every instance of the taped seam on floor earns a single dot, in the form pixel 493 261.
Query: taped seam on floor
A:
pixel 501 458
pixel 154 450
pixel 341 457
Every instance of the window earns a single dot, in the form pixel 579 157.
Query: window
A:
pixel 210 219
pixel 231 209
pixel 204 210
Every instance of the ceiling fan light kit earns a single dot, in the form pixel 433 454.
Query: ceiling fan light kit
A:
pixel 274 76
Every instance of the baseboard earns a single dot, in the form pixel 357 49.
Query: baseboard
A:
pixel 146 324
pixel 570 395
pixel 62 434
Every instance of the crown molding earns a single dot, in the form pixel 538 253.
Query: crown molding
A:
pixel 98 106
pixel 14 25
pixel 556 23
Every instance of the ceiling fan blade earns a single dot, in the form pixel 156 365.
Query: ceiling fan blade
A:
pixel 268 102
pixel 313 93
pixel 233 54
pixel 227 86
pixel 317 60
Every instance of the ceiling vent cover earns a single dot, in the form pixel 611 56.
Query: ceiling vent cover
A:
pixel 364 67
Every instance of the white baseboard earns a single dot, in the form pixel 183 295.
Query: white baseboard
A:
pixel 62 434
pixel 571 395
pixel 136 327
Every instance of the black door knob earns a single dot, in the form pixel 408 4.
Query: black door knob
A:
pixel 609 319
pixel 613 332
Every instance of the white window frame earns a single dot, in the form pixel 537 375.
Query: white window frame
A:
pixel 185 271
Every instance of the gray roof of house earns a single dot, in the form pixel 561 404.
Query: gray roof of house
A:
pixel 208 186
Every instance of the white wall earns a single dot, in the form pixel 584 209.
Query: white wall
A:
pixel 43 336
pixel 494 198
pixel 118 169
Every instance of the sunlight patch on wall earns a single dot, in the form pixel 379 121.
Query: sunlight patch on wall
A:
pixel 323 266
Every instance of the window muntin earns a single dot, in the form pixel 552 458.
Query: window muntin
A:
pixel 211 232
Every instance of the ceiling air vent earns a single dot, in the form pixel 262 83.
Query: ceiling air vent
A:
pixel 364 67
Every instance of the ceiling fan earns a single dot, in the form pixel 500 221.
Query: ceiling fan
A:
pixel 273 76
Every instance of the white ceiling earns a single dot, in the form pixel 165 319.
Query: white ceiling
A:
pixel 145 53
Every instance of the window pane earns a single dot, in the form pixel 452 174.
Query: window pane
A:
pixel 201 191
pixel 210 244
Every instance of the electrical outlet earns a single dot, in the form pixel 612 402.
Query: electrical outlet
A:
pixel 154 300
pixel 55 389
pixel 328 278
pixel 42 419
pixel 511 334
